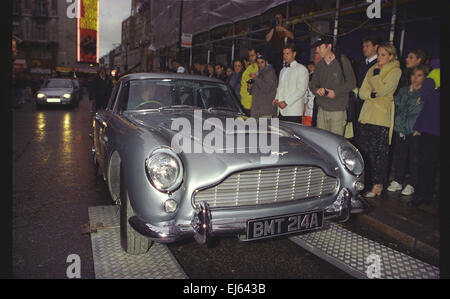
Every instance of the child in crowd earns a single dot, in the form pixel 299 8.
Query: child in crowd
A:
pixel 408 105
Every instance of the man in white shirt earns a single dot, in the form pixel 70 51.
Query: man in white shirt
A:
pixel 292 87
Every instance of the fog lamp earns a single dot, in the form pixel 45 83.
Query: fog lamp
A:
pixel 170 205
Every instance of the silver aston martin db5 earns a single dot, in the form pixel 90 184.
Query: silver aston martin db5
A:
pixel 181 160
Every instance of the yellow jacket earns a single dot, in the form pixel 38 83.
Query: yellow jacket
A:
pixel 436 76
pixel 246 98
pixel 381 109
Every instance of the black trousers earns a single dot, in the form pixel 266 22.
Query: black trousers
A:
pixel 374 146
pixel 406 155
pixel 429 151
pixel 294 119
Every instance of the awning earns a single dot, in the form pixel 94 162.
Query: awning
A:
pixel 40 71
pixel 89 70
pixel 200 16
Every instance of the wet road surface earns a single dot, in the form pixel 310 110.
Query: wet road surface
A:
pixel 54 184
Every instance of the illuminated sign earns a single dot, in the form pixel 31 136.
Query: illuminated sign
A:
pixel 87 31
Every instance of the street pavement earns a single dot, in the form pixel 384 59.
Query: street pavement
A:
pixel 53 186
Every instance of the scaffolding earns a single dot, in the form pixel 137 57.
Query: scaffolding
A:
pixel 208 41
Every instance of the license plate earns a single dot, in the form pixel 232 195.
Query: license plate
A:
pixel 53 100
pixel 283 225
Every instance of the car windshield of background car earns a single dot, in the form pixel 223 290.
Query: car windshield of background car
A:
pixel 58 84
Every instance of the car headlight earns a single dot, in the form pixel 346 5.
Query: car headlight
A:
pixel 41 95
pixel 164 170
pixel 351 158
pixel 67 95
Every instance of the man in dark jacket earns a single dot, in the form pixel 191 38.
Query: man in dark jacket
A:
pixel 263 89
pixel 101 90
pixel 370 47
pixel 331 84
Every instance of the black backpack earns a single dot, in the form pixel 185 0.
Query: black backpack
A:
pixel 351 105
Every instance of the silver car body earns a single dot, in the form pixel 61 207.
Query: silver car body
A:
pixel 127 139
pixel 53 91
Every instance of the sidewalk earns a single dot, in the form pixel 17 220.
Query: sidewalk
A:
pixel 414 228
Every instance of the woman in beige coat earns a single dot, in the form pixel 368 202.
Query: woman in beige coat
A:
pixel 377 115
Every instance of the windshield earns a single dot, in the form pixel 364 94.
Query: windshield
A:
pixel 58 83
pixel 160 93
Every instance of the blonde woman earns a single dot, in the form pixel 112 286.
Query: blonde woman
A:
pixel 377 115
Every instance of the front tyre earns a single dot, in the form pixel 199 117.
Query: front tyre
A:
pixel 132 242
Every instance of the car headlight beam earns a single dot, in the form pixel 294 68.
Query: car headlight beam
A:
pixel 164 170
pixel 67 95
pixel 351 158
pixel 41 95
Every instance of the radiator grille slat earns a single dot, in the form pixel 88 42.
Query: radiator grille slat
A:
pixel 269 185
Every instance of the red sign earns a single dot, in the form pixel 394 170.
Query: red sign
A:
pixel 87 25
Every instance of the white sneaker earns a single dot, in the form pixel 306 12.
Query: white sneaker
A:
pixel 394 186
pixel 408 190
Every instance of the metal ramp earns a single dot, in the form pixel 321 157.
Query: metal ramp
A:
pixel 342 248
pixel 361 257
pixel 110 261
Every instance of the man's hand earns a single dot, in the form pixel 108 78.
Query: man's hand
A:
pixel 252 75
pixel 416 133
pixel 275 102
pixel 331 94
pixel 282 104
pixel 321 92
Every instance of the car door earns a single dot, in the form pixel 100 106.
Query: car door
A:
pixel 101 120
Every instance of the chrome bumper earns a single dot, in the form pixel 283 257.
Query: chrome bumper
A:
pixel 203 226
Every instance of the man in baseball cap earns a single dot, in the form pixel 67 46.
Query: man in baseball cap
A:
pixel 331 83
pixel 322 40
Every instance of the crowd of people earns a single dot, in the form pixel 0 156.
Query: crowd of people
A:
pixel 390 114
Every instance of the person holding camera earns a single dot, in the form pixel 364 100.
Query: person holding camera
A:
pixel 331 83
pixel 263 87
pixel 277 37
pixel 292 87
pixel 246 98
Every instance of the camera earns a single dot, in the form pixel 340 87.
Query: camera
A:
pixel 251 81
pixel 325 93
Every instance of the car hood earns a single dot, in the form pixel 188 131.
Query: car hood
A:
pixel 55 91
pixel 291 149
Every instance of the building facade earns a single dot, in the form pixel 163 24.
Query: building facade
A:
pixel 48 37
pixel 136 36
pixel 35 22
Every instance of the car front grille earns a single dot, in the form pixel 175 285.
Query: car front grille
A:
pixel 268 186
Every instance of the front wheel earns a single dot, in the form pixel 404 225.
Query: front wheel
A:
pixel 132 242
